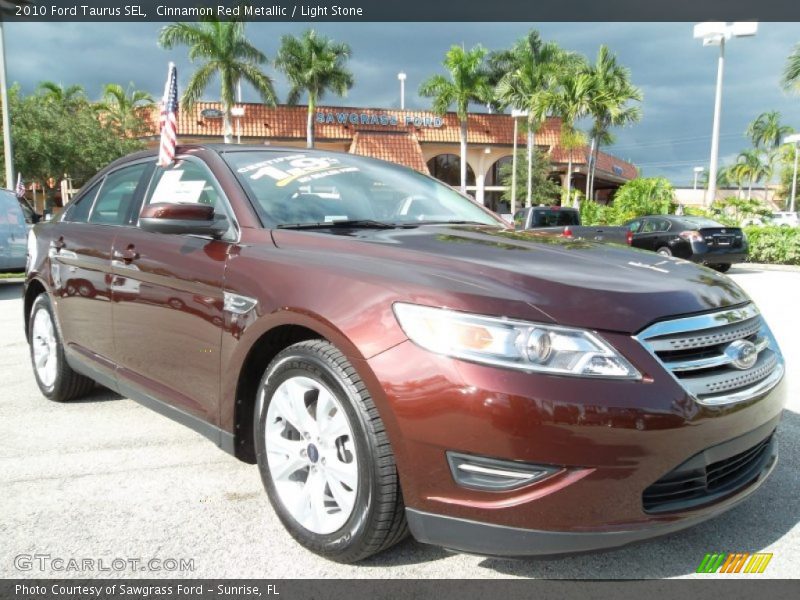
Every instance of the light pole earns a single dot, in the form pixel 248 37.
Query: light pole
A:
pixel 716 33
pixel 697 171
pixel 9 164
pixel 793 139
pixel 238 112
pixel 515 114
pixel 402 78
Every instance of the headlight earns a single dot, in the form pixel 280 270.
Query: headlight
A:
pixel 513 344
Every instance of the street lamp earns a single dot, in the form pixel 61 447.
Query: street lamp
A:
pixel 697 171
pixel 402 78
pixel 793 139
pixel 716 33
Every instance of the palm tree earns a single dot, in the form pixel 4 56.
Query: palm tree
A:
pixel 791 73
pixel 225 52
pixel 766 130
pixel 314 65
pixel 57 93
pixel 529 84
pixel 468 83
pixel 123 107
pixel 767 133
pixel 610 105
pixel 752 168
pixel 572 101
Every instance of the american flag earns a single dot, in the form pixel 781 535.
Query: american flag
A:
pixel 169 119
pixel 20 186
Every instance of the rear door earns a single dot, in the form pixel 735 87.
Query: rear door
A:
pixel 648 234
pixel 168 299
pixel 80 259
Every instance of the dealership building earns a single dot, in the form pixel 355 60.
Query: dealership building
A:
pixel 421 140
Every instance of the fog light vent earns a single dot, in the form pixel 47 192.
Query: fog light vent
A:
pixel 493 475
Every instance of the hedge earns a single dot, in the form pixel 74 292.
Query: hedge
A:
pixel 774 245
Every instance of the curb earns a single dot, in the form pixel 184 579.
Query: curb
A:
pixel 768 267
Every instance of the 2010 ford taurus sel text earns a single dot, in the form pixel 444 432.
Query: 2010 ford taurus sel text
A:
pixel 394 357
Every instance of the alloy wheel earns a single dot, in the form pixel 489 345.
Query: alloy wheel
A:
pixel 45 349
pixel 311 454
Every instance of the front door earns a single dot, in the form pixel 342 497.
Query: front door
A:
pixel 80 263
pixel 168 300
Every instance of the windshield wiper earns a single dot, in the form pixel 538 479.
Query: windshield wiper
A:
pixel 346 223
pixel 456 222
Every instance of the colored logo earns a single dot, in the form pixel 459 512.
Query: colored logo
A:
pixel 735 562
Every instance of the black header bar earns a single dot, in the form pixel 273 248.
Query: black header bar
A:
pixel 402 10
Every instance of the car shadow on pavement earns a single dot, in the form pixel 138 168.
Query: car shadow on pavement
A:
pixel 10 290
pixel 98 394
pixel 760 521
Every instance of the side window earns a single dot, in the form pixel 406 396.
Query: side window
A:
pixel 189 181
pixel 519 218
pixel 633 226
pixel 113 203
pixel 650 226
pixel 662 225
pixel 78 210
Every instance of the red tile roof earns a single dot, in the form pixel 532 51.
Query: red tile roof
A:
pixel 398 148
pixel 289 123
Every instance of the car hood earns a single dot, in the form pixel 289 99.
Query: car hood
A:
pixel 509 273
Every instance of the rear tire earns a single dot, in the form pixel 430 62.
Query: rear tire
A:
pixel 664 251
pixel 55 378
pixel 351 506
pixel 722 268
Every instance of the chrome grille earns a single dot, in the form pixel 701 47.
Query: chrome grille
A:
pixel 704 354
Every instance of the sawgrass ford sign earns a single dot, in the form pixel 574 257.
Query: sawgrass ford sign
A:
pixel 377 118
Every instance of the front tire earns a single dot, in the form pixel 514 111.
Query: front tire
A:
pixel 324 456
pixel 55 378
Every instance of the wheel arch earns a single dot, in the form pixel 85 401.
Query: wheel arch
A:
pixel 33 290
pixel 260 354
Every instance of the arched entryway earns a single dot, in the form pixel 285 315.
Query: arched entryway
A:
pixel 493 184
pixel 447 169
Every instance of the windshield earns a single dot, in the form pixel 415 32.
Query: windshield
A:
pixel 296 188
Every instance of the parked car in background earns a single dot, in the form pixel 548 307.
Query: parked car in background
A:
pixel 395 358
pixel 785 219
pixel 566 221
pixel 698 239
pixel 16 217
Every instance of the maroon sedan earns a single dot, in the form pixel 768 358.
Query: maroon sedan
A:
pixel 395 358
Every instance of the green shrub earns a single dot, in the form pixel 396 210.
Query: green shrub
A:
pixel 638 197
pixel 774 245
pixel 643 196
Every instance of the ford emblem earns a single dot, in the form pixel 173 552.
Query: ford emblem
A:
pixel 743 354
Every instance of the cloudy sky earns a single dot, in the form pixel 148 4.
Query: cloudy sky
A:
pixel 674 71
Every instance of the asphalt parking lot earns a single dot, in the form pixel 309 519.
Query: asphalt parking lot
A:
pixel 105 478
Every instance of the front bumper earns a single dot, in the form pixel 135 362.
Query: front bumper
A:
pixel 612 439
pixel 488 539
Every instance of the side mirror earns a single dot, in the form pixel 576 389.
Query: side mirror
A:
pixel 186 218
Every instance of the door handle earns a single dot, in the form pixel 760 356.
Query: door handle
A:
pixel 128 255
